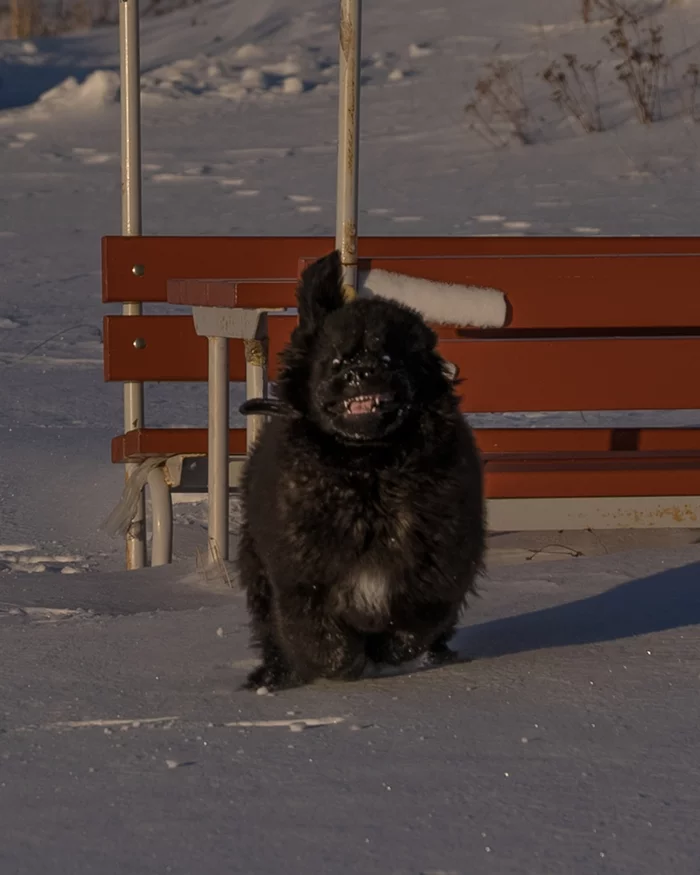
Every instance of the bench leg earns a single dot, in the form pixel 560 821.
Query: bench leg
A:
pixel 218 448
pixel 256 386
pixel 162 514
pixel 135 537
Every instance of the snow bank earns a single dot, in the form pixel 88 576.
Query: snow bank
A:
pixel 99 89
pixel 235 75
pixel 247 73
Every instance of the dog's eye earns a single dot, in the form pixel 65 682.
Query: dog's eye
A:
pixel 386 359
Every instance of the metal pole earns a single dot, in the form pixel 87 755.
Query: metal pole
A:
pixel 348 139
pixel 131 226
pixel 218 449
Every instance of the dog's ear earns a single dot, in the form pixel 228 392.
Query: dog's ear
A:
pixel 320 291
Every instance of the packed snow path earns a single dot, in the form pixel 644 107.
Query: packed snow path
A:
pixel 569 743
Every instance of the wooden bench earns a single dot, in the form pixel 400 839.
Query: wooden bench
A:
pixel 610 324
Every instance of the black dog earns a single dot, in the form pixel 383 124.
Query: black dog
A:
pixel 363 510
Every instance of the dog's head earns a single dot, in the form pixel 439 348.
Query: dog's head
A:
pixel 358 370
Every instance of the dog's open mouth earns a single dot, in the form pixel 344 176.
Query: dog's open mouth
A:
pixel 361 405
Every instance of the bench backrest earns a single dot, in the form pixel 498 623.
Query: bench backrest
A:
pixel 594 324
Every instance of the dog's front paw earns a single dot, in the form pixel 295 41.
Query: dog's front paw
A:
pixel 270 677
pixel 441 654
pixel 393 648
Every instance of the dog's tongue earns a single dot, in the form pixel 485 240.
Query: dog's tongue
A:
pixel 360 405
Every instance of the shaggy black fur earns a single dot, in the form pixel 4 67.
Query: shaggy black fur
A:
pixel 363 520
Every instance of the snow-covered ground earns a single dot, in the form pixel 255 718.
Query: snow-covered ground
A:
pixel 570 744
pixel 239 137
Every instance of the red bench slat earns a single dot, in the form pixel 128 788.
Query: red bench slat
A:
pixel 575 294
pixel 565 283
pixel 498 375
pixel 516 442
pixel 555 473
pixel 145 442
pixel 164 258
pixel 232 293
pixel 529 441
pixel 173 351
pixel 591 478
pixel 542 375
pixel 608 374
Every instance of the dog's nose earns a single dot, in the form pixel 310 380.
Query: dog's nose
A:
pixel 358 373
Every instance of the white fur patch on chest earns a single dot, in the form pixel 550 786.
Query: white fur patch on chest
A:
pixel 370 593
pixel 364 592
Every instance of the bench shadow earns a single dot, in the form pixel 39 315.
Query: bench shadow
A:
pixel 666 600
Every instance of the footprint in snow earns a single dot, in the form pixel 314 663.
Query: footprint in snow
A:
pixel 24 558
pixel 174 177
pixel 99 158
pixel 304 203
pixel 420 50
pixel 89 155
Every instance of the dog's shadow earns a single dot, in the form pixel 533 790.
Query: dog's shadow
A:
pixel 667 600
pixel 663 601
